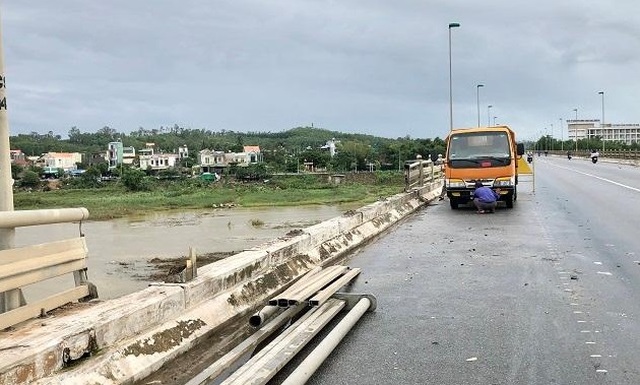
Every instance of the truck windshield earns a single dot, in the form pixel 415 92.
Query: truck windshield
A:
pixel 479 149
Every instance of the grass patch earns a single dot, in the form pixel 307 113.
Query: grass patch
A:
pixel 114 201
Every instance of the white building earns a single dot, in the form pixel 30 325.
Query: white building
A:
pixel 331 146
pixel 158 162
pixel 592 129
pixel 64 160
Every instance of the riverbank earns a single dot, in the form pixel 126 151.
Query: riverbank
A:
pixel 114 201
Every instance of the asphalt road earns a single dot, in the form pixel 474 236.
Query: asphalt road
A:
pixel 545 293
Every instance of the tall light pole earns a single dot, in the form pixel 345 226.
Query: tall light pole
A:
pixel 575 130
pixel 552 144
pixel 451 25
pixel 494 120
pixel 601 93
pixel 561 135
pixel 478 100
pixel 489 107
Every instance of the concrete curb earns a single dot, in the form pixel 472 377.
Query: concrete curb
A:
pixel 123 340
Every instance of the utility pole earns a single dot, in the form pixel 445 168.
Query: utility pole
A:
pixel 11 299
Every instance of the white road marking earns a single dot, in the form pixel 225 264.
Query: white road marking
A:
pixel 601 371
pixel 602 179
pixel 585 331
pixel 598 263
pixel 590 343
pixel 595 356
pixel 604 273
pixel 577 312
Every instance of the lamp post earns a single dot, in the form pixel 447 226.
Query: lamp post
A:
pixel 494 120
pixel 489 107
pixel 561 136
pixel 575 130
pixel 478 100
pixel 552 144
pixel 601 93
pixel 451 25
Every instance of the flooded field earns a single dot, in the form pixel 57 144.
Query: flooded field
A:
pixel 126 254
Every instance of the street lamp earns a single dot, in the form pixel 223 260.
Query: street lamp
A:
pixel 494 121
pixel 489 107
pixel 575 130
pixel 478 100
pixel 546 140
pixel 561 135
pixel 451 25
pixel 552 144
pixel 601 93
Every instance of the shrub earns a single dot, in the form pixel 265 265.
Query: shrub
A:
pixel 135 180
pixel 30 179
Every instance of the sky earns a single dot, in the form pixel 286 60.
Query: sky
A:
pixel 376 67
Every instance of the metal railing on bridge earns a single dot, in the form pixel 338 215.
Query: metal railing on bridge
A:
pixel 418 172
pixel 23 266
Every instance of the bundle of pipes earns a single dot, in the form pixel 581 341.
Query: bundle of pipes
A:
pixel 308 286
pixel 315 288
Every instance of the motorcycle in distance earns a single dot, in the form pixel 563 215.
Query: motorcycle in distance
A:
pixel 594 156
pixel 529 158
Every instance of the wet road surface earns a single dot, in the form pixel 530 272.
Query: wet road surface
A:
pixel 545 293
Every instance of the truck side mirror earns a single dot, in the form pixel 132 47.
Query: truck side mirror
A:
pixel 520 148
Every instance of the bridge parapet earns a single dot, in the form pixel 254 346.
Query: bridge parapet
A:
pixel 138 333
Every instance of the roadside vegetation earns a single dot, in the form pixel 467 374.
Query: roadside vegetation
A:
pixel 114 199
pixel 371 168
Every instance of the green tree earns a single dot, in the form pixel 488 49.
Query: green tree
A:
pixel 30 179
pixel 134 180
pixel 16 170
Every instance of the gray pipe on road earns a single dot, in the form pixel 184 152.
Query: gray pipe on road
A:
pixel 313 361
pixel 264 314
pixel 323 295
pixel 316 284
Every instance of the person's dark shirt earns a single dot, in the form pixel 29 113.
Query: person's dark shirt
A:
pixel 486 195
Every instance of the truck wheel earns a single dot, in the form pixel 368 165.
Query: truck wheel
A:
pixel 453 203
pixel 509 202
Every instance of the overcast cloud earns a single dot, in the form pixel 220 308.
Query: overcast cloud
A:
pixel 377 67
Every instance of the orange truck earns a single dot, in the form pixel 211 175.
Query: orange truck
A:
pixel 486 154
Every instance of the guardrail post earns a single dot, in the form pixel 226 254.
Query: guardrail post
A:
pixel 433 178
pixel 420 170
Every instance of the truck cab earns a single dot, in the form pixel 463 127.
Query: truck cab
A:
pixel 485 154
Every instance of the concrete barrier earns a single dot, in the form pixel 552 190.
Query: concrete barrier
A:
pixel 123 340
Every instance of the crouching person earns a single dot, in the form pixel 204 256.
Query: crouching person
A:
pixel 485 199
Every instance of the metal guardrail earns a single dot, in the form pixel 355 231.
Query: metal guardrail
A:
pixel 618 154
pixel 24 266
pixel 418 172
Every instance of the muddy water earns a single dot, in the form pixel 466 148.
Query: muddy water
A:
pixel 120 250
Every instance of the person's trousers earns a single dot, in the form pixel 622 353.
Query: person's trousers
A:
pixel 485 206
